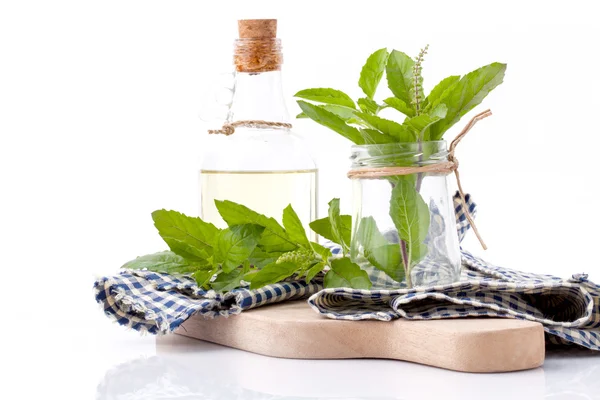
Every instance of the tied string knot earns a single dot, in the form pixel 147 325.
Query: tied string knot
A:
pixel 229 127
pixel 448 167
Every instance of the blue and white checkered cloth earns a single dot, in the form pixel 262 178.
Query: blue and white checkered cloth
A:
pixel 568 309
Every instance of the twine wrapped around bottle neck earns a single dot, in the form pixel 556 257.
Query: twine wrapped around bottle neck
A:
pixel 440 168
pixel 229 127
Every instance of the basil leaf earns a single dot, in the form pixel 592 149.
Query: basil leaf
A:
pixel 419 125
pixel 399 73
pixel 368 234
pixel 323 251
pixel 313 271
pixel 293 227
pixel 419 252
pixel 441 90
pixel 189 237
pixel 274 238
pixel 326 95
pixel 400 105
pixel 388 127
pixel 331 121
pixel 337 225
pixel 372 71
pixel 166 262
pixel 368 106
pixel 345 113
pixel 373 136
pixel 388 259
pixel 203 277
pixel 226 282
pixel 259 258
pixel 235 244
pixel 410 215
pixel 323 227
pixel 378 251
pixel 272 273
pixel 468 93
pixel 345 273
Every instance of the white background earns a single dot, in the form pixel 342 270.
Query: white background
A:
pixel 99 126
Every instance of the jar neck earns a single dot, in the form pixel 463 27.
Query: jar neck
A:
pixel 258 96
pixel 399 154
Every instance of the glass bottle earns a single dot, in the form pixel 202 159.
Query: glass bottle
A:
pixel 388 209
pixel 264 168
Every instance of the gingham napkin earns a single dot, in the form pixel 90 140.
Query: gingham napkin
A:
pixel 568 309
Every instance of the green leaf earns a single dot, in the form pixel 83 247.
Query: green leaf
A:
pixel 372 71
pixel 272 273
pixel 400 105
pixel 323 251
pixel 274 238
pixel 410 215
pixel 345 113
pixel 373 136
pixel 338 229
pixel 418 253
pixel 326 95
pixel 203 277
pixel 259 258
pixel 368 234
pixel 323 227
pixel 388 259
pixel 331 121
pixel 293 227
pixel 189 237
pixel 166 262
pixel 314 270
pixel 235 244
pixel 399 73
pixel 345 273
pixel 439 92
pixel 226 282
pixel 378 251
pixel 388 127
pixel 419 125
pixel 466 94
pixel 368 106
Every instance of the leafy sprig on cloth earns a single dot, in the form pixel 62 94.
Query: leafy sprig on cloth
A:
pixel 253 249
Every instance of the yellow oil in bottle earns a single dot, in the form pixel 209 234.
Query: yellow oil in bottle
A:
pixel 266 192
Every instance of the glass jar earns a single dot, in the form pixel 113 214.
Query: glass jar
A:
pixel 265 168
pixel 404 225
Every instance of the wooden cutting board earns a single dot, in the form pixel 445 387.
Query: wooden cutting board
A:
pixel 294 330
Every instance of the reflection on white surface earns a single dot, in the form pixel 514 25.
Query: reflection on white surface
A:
pixel 185 368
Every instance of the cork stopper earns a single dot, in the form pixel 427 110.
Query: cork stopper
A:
pixel 258 49
pixel 257 28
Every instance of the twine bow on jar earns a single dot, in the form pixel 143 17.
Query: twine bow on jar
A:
pixel 445 168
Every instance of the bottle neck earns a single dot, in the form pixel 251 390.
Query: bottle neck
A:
pixel 258 96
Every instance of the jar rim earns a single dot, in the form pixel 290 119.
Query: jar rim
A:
pixel 399 154
pixel 396 144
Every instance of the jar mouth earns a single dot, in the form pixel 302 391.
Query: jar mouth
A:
pixel 399 154
pixel 431 143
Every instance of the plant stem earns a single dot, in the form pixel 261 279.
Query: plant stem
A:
pixel 406 262
pixel 419 176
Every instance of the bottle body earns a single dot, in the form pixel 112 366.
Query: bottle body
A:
pixel 262 164
pixel 263 169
